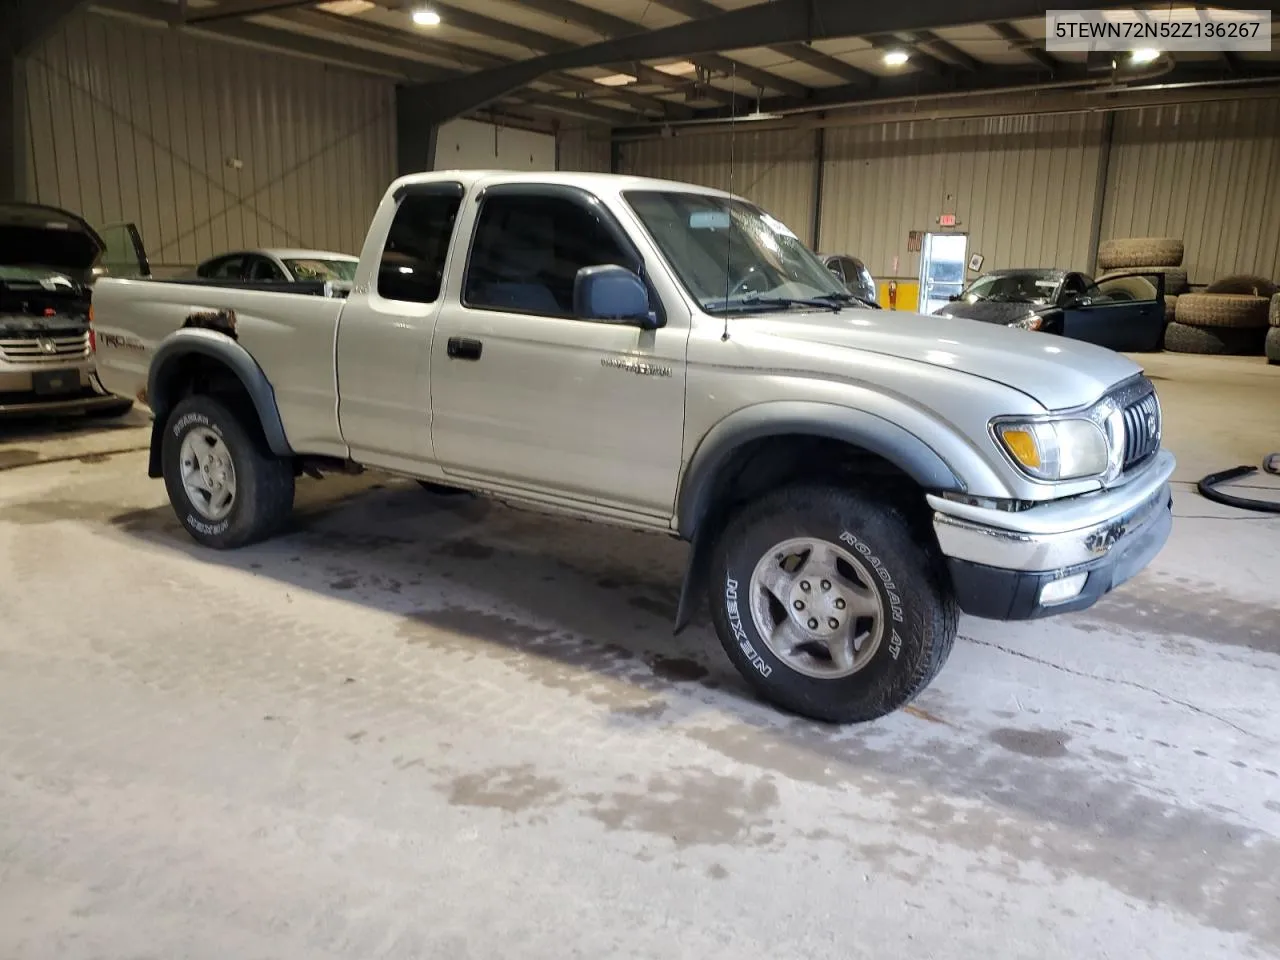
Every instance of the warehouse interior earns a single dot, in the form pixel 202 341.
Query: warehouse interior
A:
pixel 417 724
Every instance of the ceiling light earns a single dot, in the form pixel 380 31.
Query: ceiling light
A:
pixel 1145 55
pixel 681 68
pixel 616 80
pixel 896 58
pixel 426 17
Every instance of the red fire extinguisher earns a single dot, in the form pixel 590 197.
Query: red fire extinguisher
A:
pixel 893 294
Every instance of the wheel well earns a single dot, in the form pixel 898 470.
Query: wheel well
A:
pixel 764 464
pixel 759 466
pixel 198 374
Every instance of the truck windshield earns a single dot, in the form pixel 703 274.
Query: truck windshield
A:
pixel 732 256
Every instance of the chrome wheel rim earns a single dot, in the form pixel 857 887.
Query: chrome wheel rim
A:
pixel 208 475
pixel 817 608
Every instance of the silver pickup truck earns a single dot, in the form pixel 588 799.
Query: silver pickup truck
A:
pixel 670 358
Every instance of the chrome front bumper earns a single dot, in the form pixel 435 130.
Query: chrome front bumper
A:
pixel 1000 561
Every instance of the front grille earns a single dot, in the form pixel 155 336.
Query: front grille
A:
pixel 1142 430
pixel 33 348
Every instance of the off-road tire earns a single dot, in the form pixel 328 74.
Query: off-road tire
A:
pixel 1170 308
pixel 1175 278
pixel 1244 284
pixel 921 615
pixel 1273 314
pixel 264 483
pixel 1140 252
pixel 1272 345
pixel 1228 341
pixel 1222 310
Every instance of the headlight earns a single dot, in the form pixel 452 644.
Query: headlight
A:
pixel 1033 322
pixel 1066 449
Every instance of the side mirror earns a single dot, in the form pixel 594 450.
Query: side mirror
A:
pixel 613 293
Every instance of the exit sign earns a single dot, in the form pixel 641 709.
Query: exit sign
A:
pixel 947 220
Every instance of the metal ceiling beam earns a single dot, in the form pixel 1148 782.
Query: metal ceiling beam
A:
pixel 776 21
pixel 1020 41
pixel 578 106
pixel 1059 101
pixel 234 9
pixel 949 50
pixel 824 62
pixel 922 60
pixel 608 25
pixel 464 19
pixel 384 35
pixel 275 38
pixel 699 9
pixel 919 86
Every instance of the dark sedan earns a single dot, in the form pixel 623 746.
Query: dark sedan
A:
pixel 1123 312
pixel 853 273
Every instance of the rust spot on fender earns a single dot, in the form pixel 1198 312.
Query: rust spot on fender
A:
pixel 224 321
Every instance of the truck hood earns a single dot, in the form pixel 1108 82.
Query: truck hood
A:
pixel 36 235
pixel 1057 372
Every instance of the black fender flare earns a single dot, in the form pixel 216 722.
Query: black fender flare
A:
pixel 868 431
pixel 217 346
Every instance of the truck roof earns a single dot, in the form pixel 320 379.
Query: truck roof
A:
pixel 597 182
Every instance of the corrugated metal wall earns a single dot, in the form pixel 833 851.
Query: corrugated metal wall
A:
pixel 1208 173
pixel 583 148
pixel 772 168
pixel 127 122
pixel 1023 188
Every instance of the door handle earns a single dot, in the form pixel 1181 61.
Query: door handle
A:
pixel 463 348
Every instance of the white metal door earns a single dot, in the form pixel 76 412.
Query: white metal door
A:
pixel 942 265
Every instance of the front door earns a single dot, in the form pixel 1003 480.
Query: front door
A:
pixel 526 395
pixel 942 265
pixel 1123 312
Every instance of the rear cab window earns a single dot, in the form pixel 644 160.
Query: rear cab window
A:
pixel 412 266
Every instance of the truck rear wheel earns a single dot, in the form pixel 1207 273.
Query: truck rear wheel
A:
pixel 226 488
pixel 830 604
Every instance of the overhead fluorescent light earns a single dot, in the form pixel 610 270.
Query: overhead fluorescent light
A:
pixel 426 17
pixel 681 68
pixel 1144 55
pixel 346 8
pixel 896 58
pixel 616 80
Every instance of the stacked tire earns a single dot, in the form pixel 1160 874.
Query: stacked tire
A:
pixel 1230 317
pixel 1149 255
pixel 1271 346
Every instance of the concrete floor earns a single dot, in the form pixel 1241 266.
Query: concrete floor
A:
pixel 420 727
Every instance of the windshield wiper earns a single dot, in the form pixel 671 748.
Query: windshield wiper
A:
pixel 752 303
pixel 849 298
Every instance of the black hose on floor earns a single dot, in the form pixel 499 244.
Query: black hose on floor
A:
pixel 1208 486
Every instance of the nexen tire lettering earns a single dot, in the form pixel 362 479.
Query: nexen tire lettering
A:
pixel 895 602
pixel 739 632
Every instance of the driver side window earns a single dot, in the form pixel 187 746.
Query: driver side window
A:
pixel 527 252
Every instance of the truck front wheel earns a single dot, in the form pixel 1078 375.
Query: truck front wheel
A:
pixel 226 488
pixel 831 604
